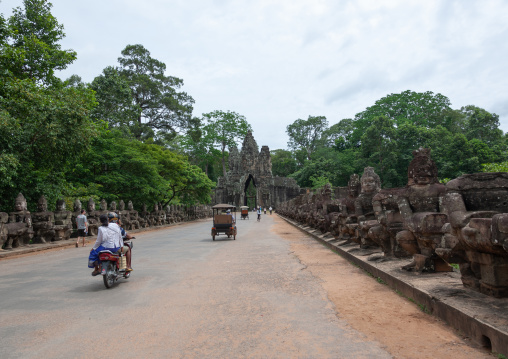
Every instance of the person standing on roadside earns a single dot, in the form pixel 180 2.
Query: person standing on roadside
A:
pixel 82 225
pixel 259 213
pixel 270 209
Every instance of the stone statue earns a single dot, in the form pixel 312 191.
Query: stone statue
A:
pixel 347 218
pixel 133 217
pixel 124 215
pixel 144 217
pixel 63 221
pixel 112 206
pixel 155 216
pixel 93 218
pixel 421 213
pixel 364 210
pixel 390 221
pixel 19 227
pixel 4 218
pixel 476 236
pixel 43 222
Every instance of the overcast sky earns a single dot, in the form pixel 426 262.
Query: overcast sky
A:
pixel 277 61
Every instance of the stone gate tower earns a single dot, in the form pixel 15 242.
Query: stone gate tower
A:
pixel 250 179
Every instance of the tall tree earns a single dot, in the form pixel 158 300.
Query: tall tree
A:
pixel 481 125
pixel 224 129
pixel 283 163
pixel 306 135
pixel 162 110
pixel 34 51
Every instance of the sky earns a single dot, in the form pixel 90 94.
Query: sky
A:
pixel 278 61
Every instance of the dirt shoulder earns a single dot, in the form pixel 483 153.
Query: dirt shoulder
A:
pixel 373 308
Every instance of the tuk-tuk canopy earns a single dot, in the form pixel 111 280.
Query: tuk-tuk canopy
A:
pixel 224 206
pixel 244 207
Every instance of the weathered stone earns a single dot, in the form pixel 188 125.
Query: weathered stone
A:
pixel 421 213
pixel 63 221
pixel 249 180
pixel 476 236
pixel 43 222
pixel 19 227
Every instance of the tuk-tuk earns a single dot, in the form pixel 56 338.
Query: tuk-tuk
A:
pixel 244 212
pixel 224 222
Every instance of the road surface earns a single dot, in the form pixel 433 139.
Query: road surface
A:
pixel 188 297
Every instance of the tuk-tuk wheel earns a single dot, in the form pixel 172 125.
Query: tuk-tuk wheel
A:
pixel 213 237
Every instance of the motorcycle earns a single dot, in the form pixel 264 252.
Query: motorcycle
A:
pixel 113 266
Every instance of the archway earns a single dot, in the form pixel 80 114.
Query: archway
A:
pixel 250 191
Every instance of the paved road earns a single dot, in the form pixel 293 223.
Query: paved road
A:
pixel 188 297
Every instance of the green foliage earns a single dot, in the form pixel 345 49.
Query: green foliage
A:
pixel 283 163
pixel 138 97
pixel 53 139
pixel 495 167
pixel 33 51
pixel 224 129
pixel 120 168
pixel 385 135
pixel 307 135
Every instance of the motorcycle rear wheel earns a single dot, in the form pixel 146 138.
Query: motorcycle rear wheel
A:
pixel 109 277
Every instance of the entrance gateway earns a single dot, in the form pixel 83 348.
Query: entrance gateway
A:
pixel 249 181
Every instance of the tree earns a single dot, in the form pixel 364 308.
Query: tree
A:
pixel 224 129
pixel 306 135
pixel 115 102
pixel 481 125
pixel 44 125
pixel 283 163
pixel 34 52
pixel 162 111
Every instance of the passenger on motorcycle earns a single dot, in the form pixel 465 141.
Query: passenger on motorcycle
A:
pixel 126 237
pixel 109 237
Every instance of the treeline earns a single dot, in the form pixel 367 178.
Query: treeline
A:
pixel 465 140
pixel 113 138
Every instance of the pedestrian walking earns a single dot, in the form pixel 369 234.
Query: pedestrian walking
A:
pixel 270 209
pixel 82 225
pixel 259 213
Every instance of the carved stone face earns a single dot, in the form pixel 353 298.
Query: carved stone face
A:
pixel 423 175
pixel 121 205
pixel 77 205
pixel 91 206
pixel 112 206
pixel 143 207
pixel 156 207
pixel 20 204
pixel 104 205
pixel 60 205
pixel 368 184
pixel 130 206
pixel 42 205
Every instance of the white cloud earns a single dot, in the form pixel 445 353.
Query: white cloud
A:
pixel 274 62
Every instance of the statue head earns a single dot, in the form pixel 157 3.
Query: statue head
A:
pixel 422 170
pixel 143 207
pixel 112 206
pixel 121 205
pixel 20 203
pixel 104 205
pixel 156 207
pixel 42 204
pixel 60 205
pixel 354 185
pixel 77 205
pixel 370 181
pixel 168 209
pixel 91 205
pixel 130 206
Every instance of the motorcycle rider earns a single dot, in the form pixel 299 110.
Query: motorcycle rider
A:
pixel 109 237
